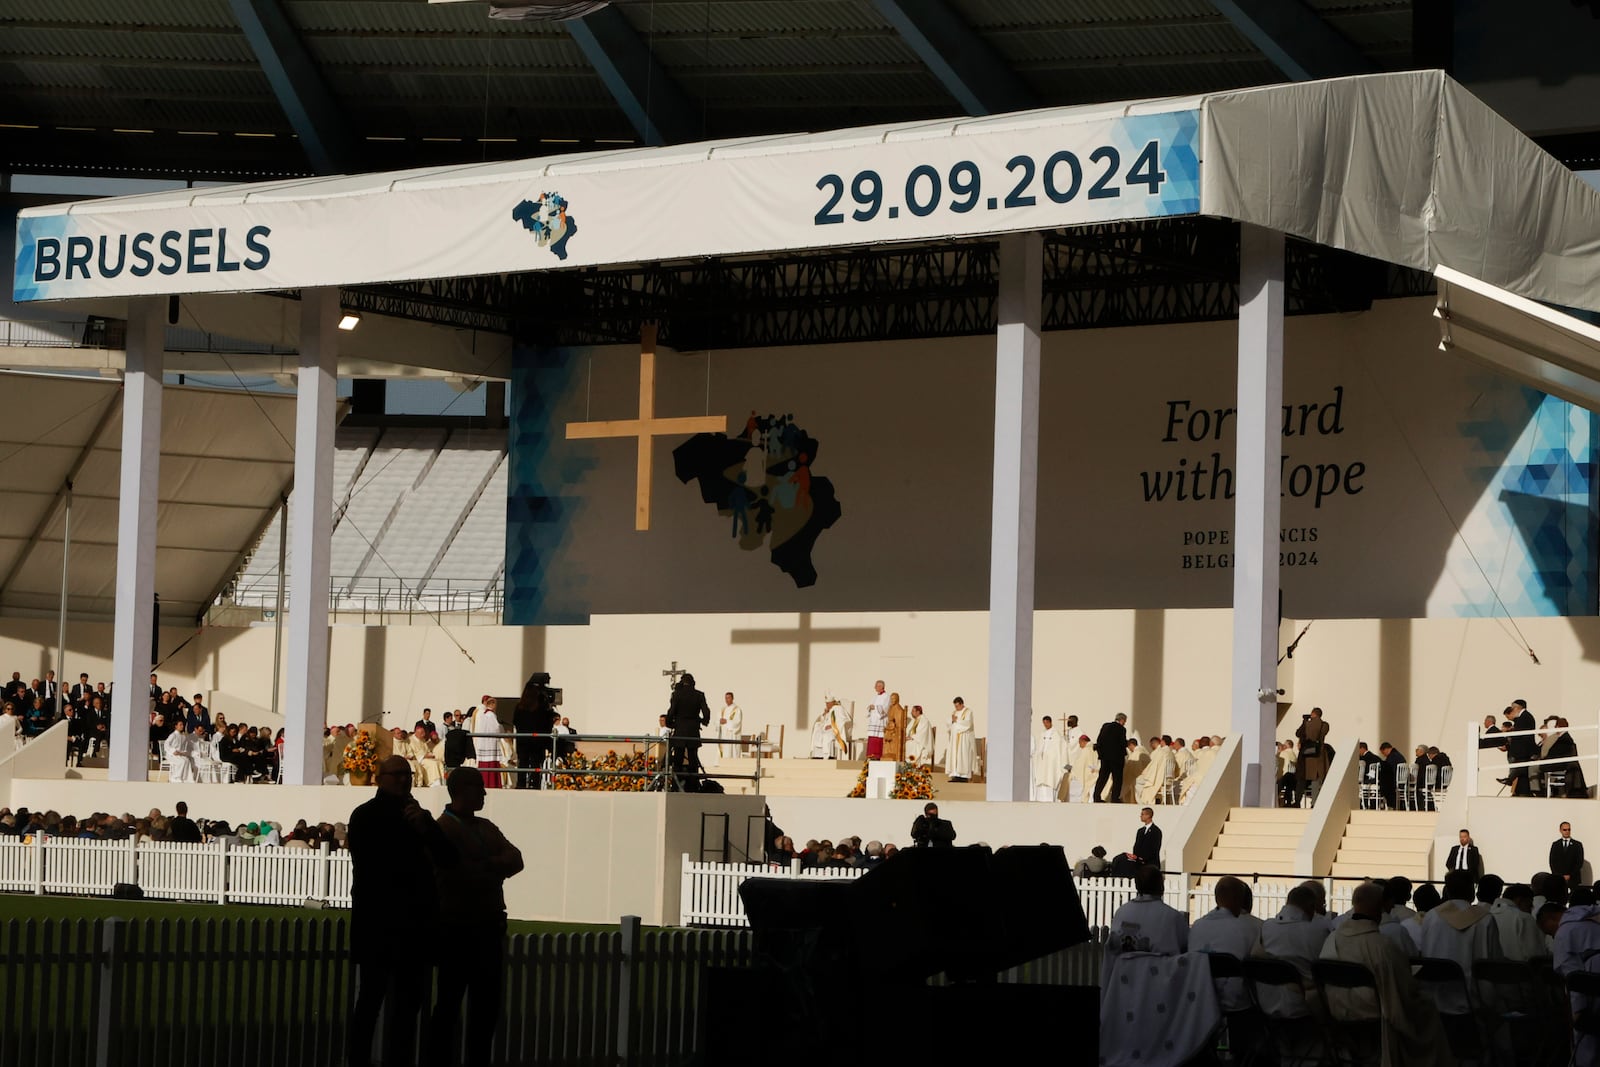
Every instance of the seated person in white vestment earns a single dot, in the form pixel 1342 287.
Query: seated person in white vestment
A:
pixel 1520 936
pixel 1461 930
pixel 1147 923
pixel 179 750
pixel 1225 929
pixel 1412 1032
pixel 1292 936
pixel 830 733
pixel 919 737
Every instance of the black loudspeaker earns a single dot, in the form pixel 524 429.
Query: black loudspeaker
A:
pixel 126 891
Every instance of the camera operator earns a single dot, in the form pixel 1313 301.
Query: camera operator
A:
pixel 686 714
pixel 535 714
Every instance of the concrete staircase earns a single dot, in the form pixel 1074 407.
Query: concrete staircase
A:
pixel 792 777
pixel 1259 841
pixel 1378 844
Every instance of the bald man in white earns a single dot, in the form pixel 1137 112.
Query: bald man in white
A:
pixel 1225 929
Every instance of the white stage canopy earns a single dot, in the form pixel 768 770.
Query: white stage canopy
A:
pixel 1409 168
pixel 226 462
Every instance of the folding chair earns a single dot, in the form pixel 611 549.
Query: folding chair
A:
pixel 1279 993
pixel 1555 780
pixel 1439 978
pixel 1445 774
pixel 1355 1038
pixel 1430 783
pixel 1515 1010
pixel 1405 796
pixel 1371 794
pixel 1243 1028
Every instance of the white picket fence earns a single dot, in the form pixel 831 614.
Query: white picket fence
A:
pixel 219 872
pixel 710 892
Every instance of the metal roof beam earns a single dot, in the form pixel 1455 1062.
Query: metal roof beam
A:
pixel 656 106
pixel 965 64
pixel 297 84
pixel 1295 38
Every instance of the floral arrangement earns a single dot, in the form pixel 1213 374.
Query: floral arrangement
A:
pixel 611 761
pixel 361 754
pixel 861 784
pixel 912 782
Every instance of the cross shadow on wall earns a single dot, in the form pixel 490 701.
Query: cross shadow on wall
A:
pixel 803 637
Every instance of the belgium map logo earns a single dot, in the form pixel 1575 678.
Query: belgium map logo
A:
pixel 548 220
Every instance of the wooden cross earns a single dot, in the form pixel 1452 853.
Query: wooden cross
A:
pixel 646 427
pixel 805 636
pixel 675 673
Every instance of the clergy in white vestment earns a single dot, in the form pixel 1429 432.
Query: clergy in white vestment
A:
pixel 419 751
pixel 1147 923
pixel 1203 759
pixel 1520 936
pixel 1138 759
pixel 1459 930
pixel 730 727
pixel 1225 929
pixel 1182 758
pixel 1082 767
pixel 961 761
pixel 1048 763
pixel 1154 776
pixel 1577 948
pixel 1292 937
pixel 830 734
pixel 877 720
pixel 179 749
pixel 1412 1035
pixel 919 737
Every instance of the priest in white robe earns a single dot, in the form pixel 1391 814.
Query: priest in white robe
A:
pixel 1082 768
pixel 1459 930
pixel 1226 929
pixel 1292 936
pixel 830 735
pixel 1203 759
pixel 919 737
pixel 179 749
pixel 961 760
pixel 1048 763
pixel 1154 776
pixel 1146 923
pixel 1412 1033
pixel 730 727
pixel 1520 936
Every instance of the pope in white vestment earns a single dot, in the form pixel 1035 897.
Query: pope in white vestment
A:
pixel 1082 766
pixel 830 734
pixel 1049 763
pixel 179 749
pixel 962 758
pixel 919 737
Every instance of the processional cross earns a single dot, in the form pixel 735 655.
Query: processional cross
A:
pixel 646 427
pixel 675 673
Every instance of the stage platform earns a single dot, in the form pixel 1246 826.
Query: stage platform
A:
pixel 824 778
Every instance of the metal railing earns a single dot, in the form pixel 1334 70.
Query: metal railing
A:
pixel 214 990
pixel 710 891
pixel 663 779
pixel 381 601
pixel 1555 763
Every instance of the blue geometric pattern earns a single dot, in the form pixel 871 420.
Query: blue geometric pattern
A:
pixel 1534 529
pixel 1178 132
pixel 543 496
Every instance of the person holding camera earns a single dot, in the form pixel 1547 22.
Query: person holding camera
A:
pixel 1312 764
pixel 687 712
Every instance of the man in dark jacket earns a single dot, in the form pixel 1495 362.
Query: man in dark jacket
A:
pixel 1566 857
pixel 1112 747
pixel 685 715
pixel 394 845
pixel 1520 749
pixel 930 831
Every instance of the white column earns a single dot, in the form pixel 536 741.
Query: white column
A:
pixel 1016 490
pixel 1256 508
pixel 310 535
pixel 137 501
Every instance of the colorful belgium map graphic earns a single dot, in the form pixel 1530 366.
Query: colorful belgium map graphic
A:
pixel 761 482
pixel 547 219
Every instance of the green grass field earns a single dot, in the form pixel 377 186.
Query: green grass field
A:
pixel 17 906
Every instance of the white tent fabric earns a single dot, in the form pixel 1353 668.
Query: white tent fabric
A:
pixel 1407 167
pixel 1546 349
pixel 226 460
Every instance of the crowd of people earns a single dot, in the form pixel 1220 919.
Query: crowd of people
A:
pixel 178 828
pixel 1551 920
